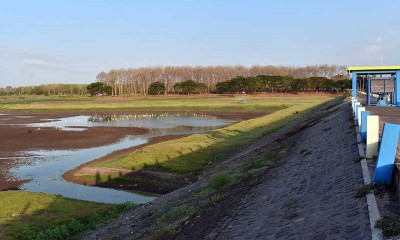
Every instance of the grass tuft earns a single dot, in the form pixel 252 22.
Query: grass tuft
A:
pixel 221 181
pixel 390 226
pixel 364 190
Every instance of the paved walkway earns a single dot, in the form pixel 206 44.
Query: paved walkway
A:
pixel 311 196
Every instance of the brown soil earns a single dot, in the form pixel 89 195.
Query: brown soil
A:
pixel 21 138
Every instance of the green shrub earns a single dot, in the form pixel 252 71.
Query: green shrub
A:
pixel 389 226
pixel 364 190
pixel 156 88
pixel 221 181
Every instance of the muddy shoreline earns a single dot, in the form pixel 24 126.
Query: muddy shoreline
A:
pixel 17 138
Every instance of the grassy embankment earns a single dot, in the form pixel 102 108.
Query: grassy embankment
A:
pixel 192 154
pixel 29 215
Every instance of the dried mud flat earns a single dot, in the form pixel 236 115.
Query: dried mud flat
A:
pixel 16 137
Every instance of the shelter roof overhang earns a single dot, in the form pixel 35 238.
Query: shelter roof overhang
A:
pixel 374 69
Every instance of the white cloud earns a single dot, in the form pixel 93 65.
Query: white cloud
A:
pixel 43 63
pixel 373 49
pixel 32 57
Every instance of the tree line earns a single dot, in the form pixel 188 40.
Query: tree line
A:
pixel 47 89
pixel 199 79
pixel 134 81
pixel 281 84
pixel 258 84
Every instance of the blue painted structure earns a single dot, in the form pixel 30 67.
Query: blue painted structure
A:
pixel 381 103
pixel 356 111
pixel 393 71
pixel 354 84
pixel 387 153
pixel 368 90
pixel 364 115
pixel 397 89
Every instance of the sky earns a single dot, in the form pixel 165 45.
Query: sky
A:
pixel 55 41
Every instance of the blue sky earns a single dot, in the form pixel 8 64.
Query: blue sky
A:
pixel 58 41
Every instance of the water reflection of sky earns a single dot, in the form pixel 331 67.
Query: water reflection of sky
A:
pixel 48 166
pixel 151 121
pixel 45 168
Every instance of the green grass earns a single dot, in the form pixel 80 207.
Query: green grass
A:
pixel 221 181
pixel 364 190
pixel 29 215
pixel 152 103
pixel 191 154
pixel 26 100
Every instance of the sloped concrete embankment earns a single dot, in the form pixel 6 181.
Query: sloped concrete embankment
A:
pixel 311 196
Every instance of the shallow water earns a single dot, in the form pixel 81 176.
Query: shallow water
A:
pixel 45 168
pixel 150 121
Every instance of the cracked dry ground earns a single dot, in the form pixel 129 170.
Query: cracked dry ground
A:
pixel 310 196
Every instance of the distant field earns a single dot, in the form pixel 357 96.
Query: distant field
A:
pixel 171 102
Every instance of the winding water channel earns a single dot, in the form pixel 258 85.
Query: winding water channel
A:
pixel 44 169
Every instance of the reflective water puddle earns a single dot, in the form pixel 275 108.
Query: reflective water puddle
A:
pixel 45 168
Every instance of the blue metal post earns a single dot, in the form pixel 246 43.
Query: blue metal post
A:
pixel 397 88
pixel 392 101
pixel 387 153
pixel 354 84
pixel 384 88
pixel 368 90
pixel 364 115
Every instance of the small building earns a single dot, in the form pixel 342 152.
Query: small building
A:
pixel 382 84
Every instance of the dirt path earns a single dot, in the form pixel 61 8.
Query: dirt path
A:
pixel 311 196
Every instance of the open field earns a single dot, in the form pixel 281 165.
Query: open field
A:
pixel 166 162
pixel 26 215
pixel 164 103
